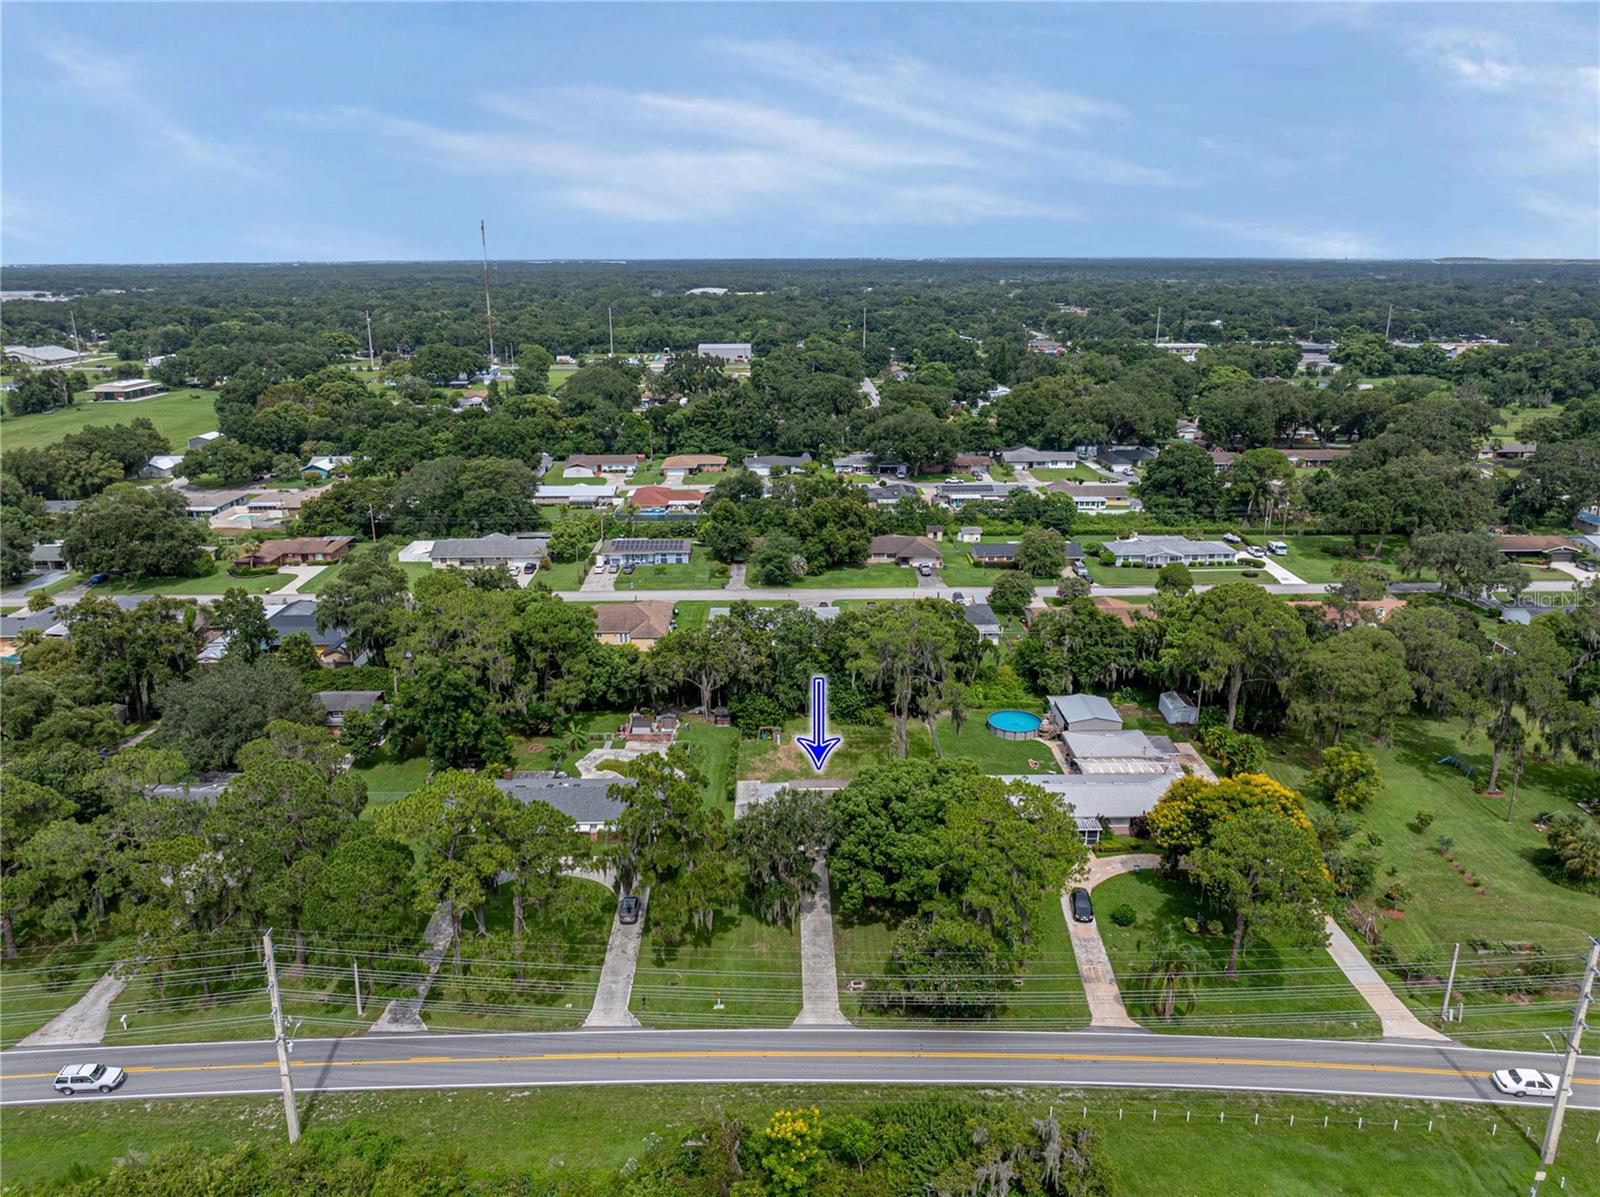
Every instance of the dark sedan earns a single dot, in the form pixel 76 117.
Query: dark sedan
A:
pixel 1082 910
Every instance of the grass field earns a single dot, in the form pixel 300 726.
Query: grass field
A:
pixel 1279 991
pixel 862 745
pixel 959 569
pixel 715 751
pixel 1134 575
pixel 1186 1149
pixel 1049 998
pixel 702 573
pixel 178 415
pixel 858 577
pixel 692 613
pixel 753 969
pixel 390 779
pixel 1077 473
pixel 1515 901
pixel 214 583
pixel 42 983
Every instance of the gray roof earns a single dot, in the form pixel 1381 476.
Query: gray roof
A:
pixel 11 626
pixel 44 353
pixel 1181 546
pixel 48 551
pixel 977 490
pixel 496 544
pixel 585 800
pixel 301 616
pixel 1072 708
pixel 62 506
pixel 980 615
pixel 348 700
pixel 892 492
pixel 777 460
pixel 1003 551
pixel 1028 455
pixel 1095 798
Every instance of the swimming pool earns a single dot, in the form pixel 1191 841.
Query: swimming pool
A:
pixel 1014 725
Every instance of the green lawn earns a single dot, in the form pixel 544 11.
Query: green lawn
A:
pixel 858 577
pixel 559 376
pixel 213 583
pixel 755 968
pixel 571 1132
pixel 959 568
pixel 1077 473
pixel 714 751
pixel 1050 997
pixel 862 745
pixel 692 613
pixel 1280 990
pixel 412 570
pixel 178 415
pixel 389 779
pixel 1135 575
pixel 1515 903
pixel 702 573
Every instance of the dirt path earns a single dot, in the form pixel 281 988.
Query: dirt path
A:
pixel 82 1022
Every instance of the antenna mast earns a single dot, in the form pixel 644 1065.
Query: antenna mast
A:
pixel 488 310
pixel 372 358
pixel 1388 322
pixel 1158 324
pixel 863 328
pixel 611 335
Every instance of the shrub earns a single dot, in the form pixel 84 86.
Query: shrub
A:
pixel 1397 895
pixel 1576 843
pixel 1236 752
pixel 1348 778
pixel 1421 820
pixel 1124 915
pixel 1252 573
pixel 1444 843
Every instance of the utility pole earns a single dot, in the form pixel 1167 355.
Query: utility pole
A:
pixel 1450 982
pixel 1158 324
pixel 1558 1112
pixel 863 329
pixel 355 967
pixel 611 335
pixel 77 341
pixel 1388 322
pixel 488 310
pixel 290 1114
pixel 372 358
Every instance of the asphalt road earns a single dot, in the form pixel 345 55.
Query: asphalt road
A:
pixel 1437 1072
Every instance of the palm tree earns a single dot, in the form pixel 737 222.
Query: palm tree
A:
pixel 1172 970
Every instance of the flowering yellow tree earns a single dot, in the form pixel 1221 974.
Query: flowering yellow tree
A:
pixel 792 1152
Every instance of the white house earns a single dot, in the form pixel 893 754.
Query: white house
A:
pixel 161 465
pixel 204 439
pixel 1083 713
pixel 1156 551
pixel 728 351
pixel 1030 458
pixel 765 466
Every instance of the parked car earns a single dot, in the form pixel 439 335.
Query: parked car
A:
pixel 531 567
pixel 958 598
pixel 76 1077
pixel 1584 565
pixel 1081 570
pixel 616 567
pixel 1525 1082
pixel 628 568
pixel 98 579
pixel 1277 548
pixel 1082 908
pixel 629 909
pixel 1232 538
pixel 925 570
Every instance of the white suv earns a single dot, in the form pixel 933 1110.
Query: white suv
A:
pixel 1525 1082
pixel 88 1076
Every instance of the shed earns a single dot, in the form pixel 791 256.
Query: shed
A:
pixel 1178 709
pixel 1084 712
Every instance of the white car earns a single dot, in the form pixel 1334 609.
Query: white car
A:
pixel 74 1077
pixel 1525 1082
pixel 1232 538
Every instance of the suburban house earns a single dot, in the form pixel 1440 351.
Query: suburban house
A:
pixel 1313 459
pixel 269 510
pixel 126 390
pixel 646 552
pixel 870 463
pixel 43 355
pixel 728 351
pixel 204 439
pixel 47 556
pixel 326 467
pixel 161 465
pixel 1101 803
pixel 61 506
pixel 904 550
pixel 621 464
pixel 1121 610
pixel 1515 451
pixel 1119 752
pixel 982 617
pixel 498 550
pixel 208 504
pixel 1536 548
pixel 957 495
pixel 1083 713
pixel 1156 551
pixel 644 727
pixel 638 624
pixel 587 801
pixel 305 550
pixel 1223 459
pixel 969 534
pixel 1030 458
pixel 676 469
pixel 301 616
pixel 766 466
pixel 1124 457
pixel 664 500
pixel 1092 498
pixel 974 463
pixel 576 494
pixel 1177 708
pixel 887 494
pixel 12 627
pixel 336 704
pixel 1002 554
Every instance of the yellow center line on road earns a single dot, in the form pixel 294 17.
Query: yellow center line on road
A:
pixel 820 1054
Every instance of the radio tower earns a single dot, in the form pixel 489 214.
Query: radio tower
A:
pixel 488 308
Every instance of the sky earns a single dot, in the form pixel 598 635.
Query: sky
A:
pixel 312 132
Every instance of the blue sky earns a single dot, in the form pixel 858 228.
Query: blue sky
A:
pixel 195 132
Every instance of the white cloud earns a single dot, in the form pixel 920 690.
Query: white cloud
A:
pixel 1471 57
pixel 100 78
pixel 1291 241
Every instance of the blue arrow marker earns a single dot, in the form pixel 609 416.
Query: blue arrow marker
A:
pixel 820 743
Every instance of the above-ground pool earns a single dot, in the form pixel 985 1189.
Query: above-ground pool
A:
pixel 1014 725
